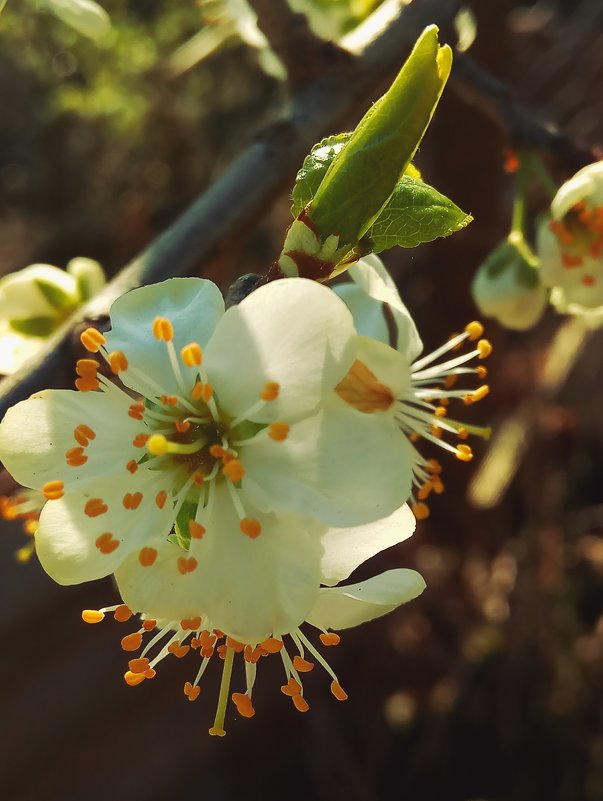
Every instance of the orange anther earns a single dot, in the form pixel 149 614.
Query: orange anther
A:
pixel 272 645
pixel 118 361
pixel 178 650
pixel 450 381
pixel 330 638
pixel 485 348
pixel 237 646
pixel 95 507
pixel 147 556
pixel 106 543
pixel 136 411
pixel 464 453
pixel 149 624
pixel 87 368
pixel 132 679
pixel 338 691
pixel 300 703
pixel 292 688
pixel 207 392
pixel 192 355
pixel 92 616
pixel 252 655
pixel 182 426
pixel 475 329
pixel 140 665
pixel 420 511
pixel 163 329
pixel 271 391
pixel 132 466
pixel 234 470
pixel 278 431
pixel 132 500
pixel 197 390
pixel 440 411
pixel 190 623
pixel 83 434
pixel 243 705
pixel 140 440
pixel 75 457
pixel 87 384
pixel 191 691
pixel 477 395
pixel 160 499
pixel 53 490
pixel 251 527
pixel 186 565
pixel 425 491
pixel 414 437
pixel 198 478
pixel 302 665
pixel 571 261
pixel 589 280
pixel 481 371
pixel 92 340
pixel 122 614
pixel 196 530
pixel 217 451
pixel 462 433
pixel 132 642
pixel 511 161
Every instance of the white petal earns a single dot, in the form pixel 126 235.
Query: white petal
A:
pixel 344 607
pixel 193 306
pixel 39 290
pixel 586 184
pixel 339 466
pixel 390 367
pixel 347 548
pixel 293 332
pixel 374 286
pixel 66 538
pixel 249 588
pixel 16 349
pixel 36 434
pixel 89 276
pixel 86 16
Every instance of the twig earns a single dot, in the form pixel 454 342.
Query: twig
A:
pixel 204 234
pixel 523 128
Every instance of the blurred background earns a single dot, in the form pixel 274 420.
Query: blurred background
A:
pixel 489 686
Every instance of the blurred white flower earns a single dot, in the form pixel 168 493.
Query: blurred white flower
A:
pixel 85 16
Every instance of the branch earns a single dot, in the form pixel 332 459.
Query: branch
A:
pixel 524 129
pixel 204 234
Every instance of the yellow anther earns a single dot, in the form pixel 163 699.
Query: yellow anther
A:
pixel 462 433
pixel 53 490
pixel 163 329
pixel 420 511
pixel 477 395
pixel 440 411
pixel 278 431
pixel 157 445
pixel 338 691
pixel 132 679
pixel 118 361
pixel 271 391
pixel 485 348
pixel 464 453
pixel 450 381
pixel 92 340
pixel 192 355
pixel 475 329
pixel 481 371
pixel 92 616
pixel 234 470
pixel 87 368
pixel 251 527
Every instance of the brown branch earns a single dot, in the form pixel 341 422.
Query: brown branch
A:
pixel 204 234
pixel 523 129
pixel 305 56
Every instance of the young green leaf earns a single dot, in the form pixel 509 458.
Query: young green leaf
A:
pixel 363 174
pixel 415 213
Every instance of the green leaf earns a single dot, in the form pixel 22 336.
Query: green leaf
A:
pixel 314 169
pixel 54 294
pixel 187 512
pixel 415 213
pixel 363 175
pixel 34 326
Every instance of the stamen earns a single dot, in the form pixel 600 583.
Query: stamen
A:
pixel 271 391
pixel 477 395
pixel 92 340
pixel 251 527
pixel 192 354
pixel 474 329
pixel 485 348
pixel 464 453
pixel 117 361
pixel 92 616
pixel 163 329
pixel 243 705
pixel 53 490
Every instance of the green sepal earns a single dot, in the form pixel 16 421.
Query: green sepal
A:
pixel 34 326
pixel 187 512
pixel 415 213
pixel 55 295
pixel 364 174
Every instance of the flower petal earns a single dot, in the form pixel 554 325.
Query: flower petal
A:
pixel 293 332
pixel 249 588
pixel 74 546
pixel 347 548
pixel 37 434
pixel 372 287
pixel 344 607
pixel 339 466
pixel 192 305
pixel 16 349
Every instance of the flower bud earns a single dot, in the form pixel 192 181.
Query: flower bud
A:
pixel 508 288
